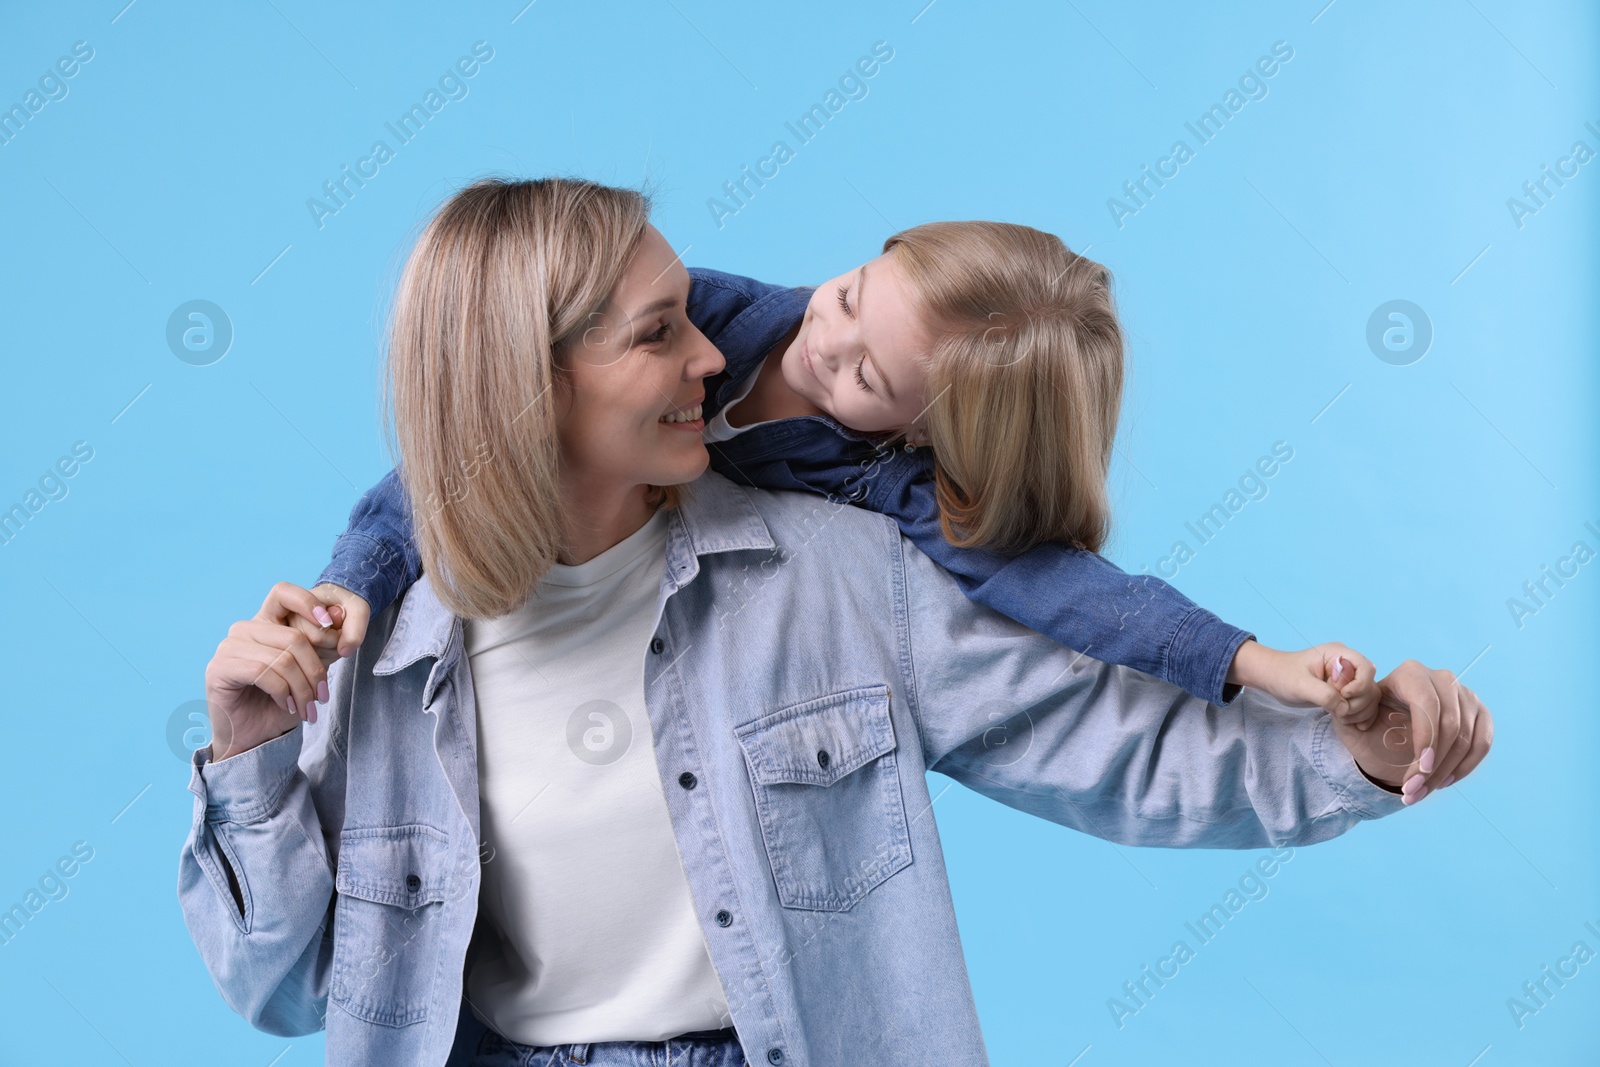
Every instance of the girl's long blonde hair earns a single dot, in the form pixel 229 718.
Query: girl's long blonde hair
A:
pixel 1024 382
pixel 502 276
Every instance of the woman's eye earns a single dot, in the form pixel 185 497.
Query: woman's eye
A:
pixel 659 335
pixel 861 378
pixel 844 302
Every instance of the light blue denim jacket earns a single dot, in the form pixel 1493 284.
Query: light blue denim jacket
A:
pixel 809 667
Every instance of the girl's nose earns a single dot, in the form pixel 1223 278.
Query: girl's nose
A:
pixel 821 346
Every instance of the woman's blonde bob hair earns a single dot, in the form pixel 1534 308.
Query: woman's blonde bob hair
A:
pixel 1024 382
pixel 501 278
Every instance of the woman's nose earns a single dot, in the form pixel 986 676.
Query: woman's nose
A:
pixel 704 358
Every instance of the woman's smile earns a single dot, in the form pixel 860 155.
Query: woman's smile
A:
pixel 676 419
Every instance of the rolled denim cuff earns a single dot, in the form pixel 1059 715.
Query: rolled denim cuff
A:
pixel 1358 794
pixel 369 567
pixel 249 786
pixel 1202 650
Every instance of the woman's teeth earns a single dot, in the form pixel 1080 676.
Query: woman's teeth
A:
pixel 683 416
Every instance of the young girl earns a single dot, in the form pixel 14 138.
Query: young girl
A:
pixel 966 383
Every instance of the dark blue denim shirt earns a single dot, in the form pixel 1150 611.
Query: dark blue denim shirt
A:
pixel 1077 598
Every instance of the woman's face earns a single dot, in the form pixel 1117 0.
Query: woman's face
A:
pixel 860 350
pixel 639 361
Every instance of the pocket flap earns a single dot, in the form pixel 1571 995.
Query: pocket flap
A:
pixel 820 741
pixel 407 866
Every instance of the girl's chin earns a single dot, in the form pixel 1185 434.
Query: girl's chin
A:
pixel 795 375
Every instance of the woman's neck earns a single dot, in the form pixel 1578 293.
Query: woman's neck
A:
pixel 771 398
pixel 597 521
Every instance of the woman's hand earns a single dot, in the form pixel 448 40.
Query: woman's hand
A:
pixel 1331 676
pixel 266 674
pixel 1432 731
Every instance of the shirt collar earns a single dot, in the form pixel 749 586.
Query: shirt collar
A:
pixel 716 516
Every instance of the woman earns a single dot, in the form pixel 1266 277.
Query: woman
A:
pixel 673 738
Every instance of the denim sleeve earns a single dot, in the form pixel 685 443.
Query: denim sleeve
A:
pixel 744 318
pixel 717 298
pixel 263 814
pixel 1111 751
pixel 376 557
pixel 1080 599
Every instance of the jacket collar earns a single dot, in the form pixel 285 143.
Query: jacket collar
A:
pixel 716 516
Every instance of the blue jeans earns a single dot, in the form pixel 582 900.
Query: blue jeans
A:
pixel 477 1045
pixel 707 1048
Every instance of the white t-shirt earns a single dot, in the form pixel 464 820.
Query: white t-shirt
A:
pixel 593 932
pixel 718 429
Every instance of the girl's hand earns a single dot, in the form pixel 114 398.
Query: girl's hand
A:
pixel 266 675
pixel 1331 676
pixel 350 612
pixel 335 624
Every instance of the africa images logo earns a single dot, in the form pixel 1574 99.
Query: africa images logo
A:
pixel 1399 332
pixel 188 729
pixel 199 332
pixel 598 732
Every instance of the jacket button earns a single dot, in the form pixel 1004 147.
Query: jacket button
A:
pixel 687 780
pixel 724 917
pixel 822 758
pixel 413 883
pixel 774 1055
pixel 656 645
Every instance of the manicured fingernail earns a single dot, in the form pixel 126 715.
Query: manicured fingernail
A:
pixel 294 709
pixel 322 615
pixel 1412 798
pixel 1413 782
pixel 1447 781
pixel 1426 762
pixel 322 691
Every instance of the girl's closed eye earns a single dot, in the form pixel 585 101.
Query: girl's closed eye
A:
pixel 844 305
pixel 657 336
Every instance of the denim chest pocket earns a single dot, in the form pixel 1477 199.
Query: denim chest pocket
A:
pixel 392 884
pixel 827 792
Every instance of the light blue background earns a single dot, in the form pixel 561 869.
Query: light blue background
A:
pixel 1378 167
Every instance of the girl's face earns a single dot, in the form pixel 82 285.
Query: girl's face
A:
pixel 640 360
pixel 860 350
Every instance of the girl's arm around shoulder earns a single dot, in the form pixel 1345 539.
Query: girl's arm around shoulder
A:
pixel 1111 751
pixel 376 557
pixel 1079 599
